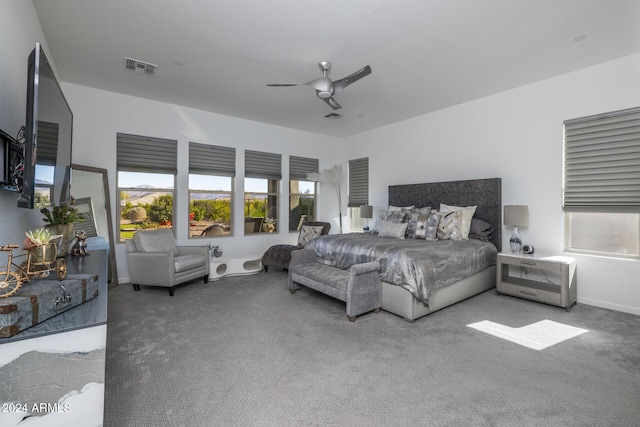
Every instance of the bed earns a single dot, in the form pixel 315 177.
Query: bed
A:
pixel 416 283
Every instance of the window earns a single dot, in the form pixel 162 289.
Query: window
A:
pixel 601 196
pixel 358 191
pixel 146 181
pixel 302 192
pixel 262 179
pixel 211 172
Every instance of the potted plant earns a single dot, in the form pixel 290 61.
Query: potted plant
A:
pixel 60 220
pixel 40 242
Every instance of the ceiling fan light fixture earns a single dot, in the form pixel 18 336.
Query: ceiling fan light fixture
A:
pixel 325 87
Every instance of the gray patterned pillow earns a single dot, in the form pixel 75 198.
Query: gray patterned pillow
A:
pixel 309 232
pixel 393 229
pixel 380 217
pixel 427 226
pixel 413 221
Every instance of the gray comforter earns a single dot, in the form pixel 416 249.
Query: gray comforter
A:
pixel 418 266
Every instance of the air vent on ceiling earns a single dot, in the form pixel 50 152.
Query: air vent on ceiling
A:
pixel 140 67
pixel 333 116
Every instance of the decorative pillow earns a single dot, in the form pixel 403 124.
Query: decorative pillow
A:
pixel 413 221
pixel 399 217
pixel 450 225
pixel 392 229
pixel 467 215
pixel 380 217
pixel 480 230
pixel 427 226
pixel 309 232
pixel 395 217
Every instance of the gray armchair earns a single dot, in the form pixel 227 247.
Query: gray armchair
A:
pixel 155 259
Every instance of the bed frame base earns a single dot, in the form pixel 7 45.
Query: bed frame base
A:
pixel 400 302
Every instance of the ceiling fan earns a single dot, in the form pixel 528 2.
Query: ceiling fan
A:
pixel 325 87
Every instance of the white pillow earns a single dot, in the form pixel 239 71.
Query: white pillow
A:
pixel 309 232
pixel 393 229
pixel 401 208
pixel 467 215
pixel 450 225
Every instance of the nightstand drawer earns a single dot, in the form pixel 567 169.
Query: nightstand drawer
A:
pixel 531 263
pixel 532 292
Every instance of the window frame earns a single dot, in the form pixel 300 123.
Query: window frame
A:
pixel 601 156
pixel 120 190
pixel 230 193
pixel 293 224
pixel 300 169
pixel 358 186
pixel 215 161
pixel 271 200
pixel 143 154
pixel 266 166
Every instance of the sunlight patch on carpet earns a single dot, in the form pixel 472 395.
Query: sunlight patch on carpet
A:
pixel 536 336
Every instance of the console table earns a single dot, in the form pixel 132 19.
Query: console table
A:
pixel 563 294
pixel 55 369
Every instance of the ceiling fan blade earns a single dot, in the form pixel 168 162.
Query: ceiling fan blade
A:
pixel 323 84
pixel 338 85
pixel 332 103
pixel 284 84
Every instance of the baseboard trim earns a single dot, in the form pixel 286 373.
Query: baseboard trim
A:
pixel 610 306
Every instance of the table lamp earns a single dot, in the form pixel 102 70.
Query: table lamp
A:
pixel 366 212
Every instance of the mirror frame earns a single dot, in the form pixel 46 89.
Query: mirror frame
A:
pixel 113 271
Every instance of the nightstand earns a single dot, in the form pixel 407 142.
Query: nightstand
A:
pixel 560 290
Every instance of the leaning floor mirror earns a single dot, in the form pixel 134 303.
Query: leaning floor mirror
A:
pixel 90 190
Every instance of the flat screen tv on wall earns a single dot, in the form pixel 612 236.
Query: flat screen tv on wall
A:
pixel 48 135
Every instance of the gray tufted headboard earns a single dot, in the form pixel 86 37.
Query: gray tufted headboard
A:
pixel 486 194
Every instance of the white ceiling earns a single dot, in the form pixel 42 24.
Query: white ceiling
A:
pixel 426 55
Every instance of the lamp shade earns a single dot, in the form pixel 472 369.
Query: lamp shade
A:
pixel 516 215
pixel 366 211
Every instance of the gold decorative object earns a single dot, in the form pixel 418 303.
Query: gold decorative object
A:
pixel 40 260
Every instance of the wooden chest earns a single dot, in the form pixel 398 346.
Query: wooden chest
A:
pixel 41 299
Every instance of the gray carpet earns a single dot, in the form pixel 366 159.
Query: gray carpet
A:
pixel 244 352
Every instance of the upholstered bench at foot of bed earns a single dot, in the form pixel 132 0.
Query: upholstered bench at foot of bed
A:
pixel 359 287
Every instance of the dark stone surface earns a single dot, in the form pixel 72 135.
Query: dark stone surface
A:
pixel 90 313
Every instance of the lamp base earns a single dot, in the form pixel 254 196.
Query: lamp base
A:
pixel 515 241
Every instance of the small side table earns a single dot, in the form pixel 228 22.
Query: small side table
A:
pixel 222 267
pixel 563 294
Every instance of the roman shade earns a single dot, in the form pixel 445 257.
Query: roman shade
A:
pixel 212 160
pixel 146 154
pixel 602 162
pixel 258 164
pixel 299 167
pixel 358 182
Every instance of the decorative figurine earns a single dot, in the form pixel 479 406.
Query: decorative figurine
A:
pixel 79 248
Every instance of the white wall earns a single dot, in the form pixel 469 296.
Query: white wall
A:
pixel 517 136
pixel 100 115
pixel 20 29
